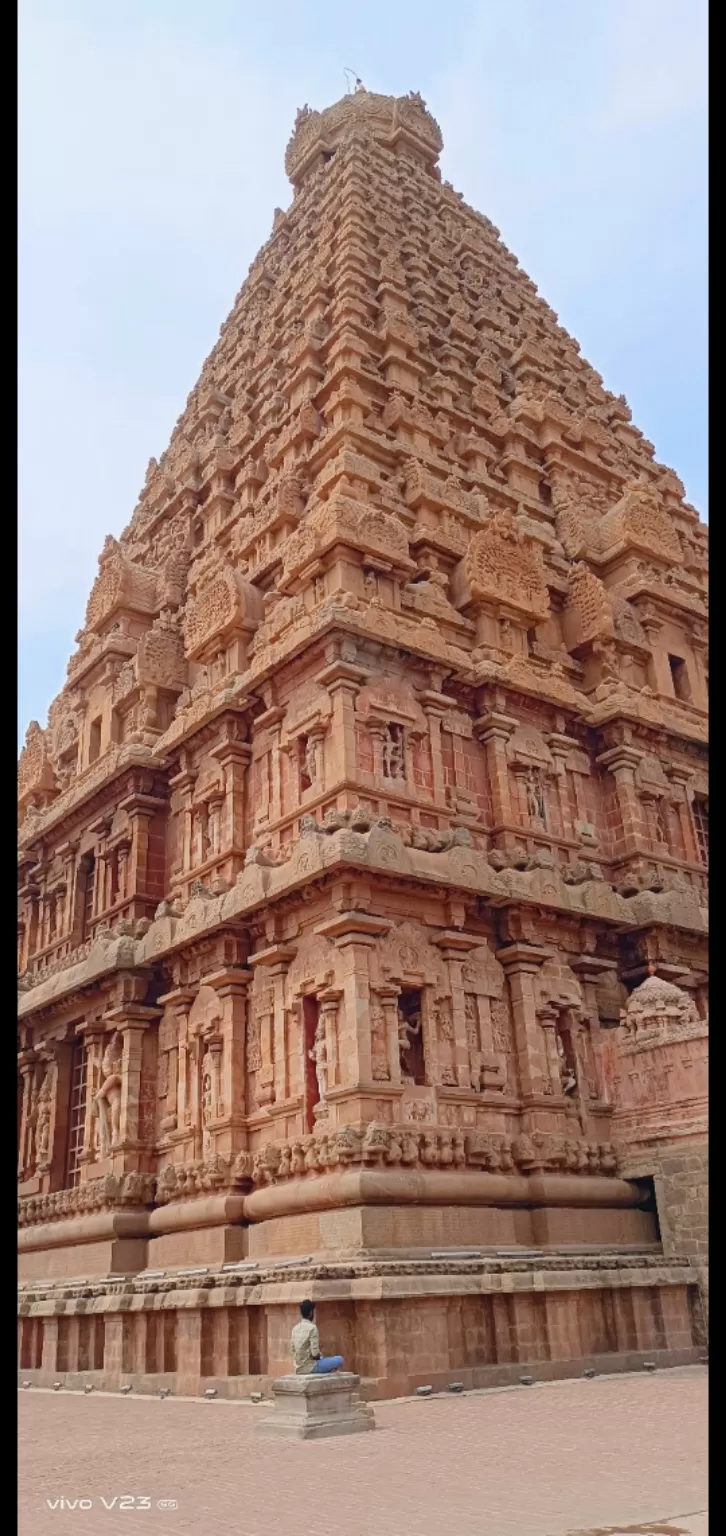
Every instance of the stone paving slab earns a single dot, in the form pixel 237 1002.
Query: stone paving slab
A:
pixel 616 1456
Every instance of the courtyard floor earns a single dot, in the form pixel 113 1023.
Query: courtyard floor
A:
pixel 618 1454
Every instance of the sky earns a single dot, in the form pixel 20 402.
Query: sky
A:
pixel 151 143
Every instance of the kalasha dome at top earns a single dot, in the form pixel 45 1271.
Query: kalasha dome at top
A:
pixel 362 932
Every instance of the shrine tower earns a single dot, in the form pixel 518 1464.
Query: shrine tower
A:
pixel 362 935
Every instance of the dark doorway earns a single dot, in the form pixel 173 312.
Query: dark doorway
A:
pixel 410 1036
pixel 648 1201
pixel 311 1015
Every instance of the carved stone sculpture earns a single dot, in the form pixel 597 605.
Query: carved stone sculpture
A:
pixel 108 1098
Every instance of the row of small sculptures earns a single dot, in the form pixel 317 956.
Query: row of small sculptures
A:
pixel 376 1145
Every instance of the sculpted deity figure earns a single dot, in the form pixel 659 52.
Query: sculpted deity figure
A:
pixel 108 1098
pixel 409 1029
pixel 207 1104
pixel 393 753
pixel 535 796
pixel 319 1055
pixel 379 1054
pixel 311 760
pixel 41 1116
pixel 213 828
pixel 567 1074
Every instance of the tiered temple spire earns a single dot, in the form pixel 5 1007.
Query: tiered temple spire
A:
pixel 376 786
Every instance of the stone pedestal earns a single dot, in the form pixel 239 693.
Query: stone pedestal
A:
pixel 313 1407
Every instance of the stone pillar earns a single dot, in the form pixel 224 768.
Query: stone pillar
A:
pixel 521 963
pixel 182 784
pixel 388 998
pixel 560 747
pixel 699 686
pixel 232 987
pixel 329 1000
pixel 270 724
pixel 547 1018
pixel 681 802
pixel 659 671
pixel 430 1038
pixel 93 1034
pixel 622 762
pixel 59 1058
pixel 28 1069
pixel 273 1083
pixel 378 736
pixel 189 1352
pixel 583 1054
pixel 589 968
pixel 132 1021
pixel 180 1000
pixel 493 731
pixel 342 679
pixel 50 1345
pixel 355 934
pixel 435 706
pixel 454 947
pixel 234 757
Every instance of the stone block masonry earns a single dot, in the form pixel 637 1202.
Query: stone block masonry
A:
pixel 362 928
pixel 317 1407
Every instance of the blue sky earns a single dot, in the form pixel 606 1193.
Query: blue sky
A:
pixel 152 136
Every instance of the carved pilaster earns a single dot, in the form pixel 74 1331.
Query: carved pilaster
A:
pixel 133 1021
pixel 227 1049
pixel 521 963
pixel 493 730
pixel 355 934
pixel 273 1085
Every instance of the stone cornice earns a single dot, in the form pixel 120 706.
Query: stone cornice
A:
pixel 461 868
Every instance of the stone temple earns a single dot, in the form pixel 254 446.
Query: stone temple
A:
pixel 362 933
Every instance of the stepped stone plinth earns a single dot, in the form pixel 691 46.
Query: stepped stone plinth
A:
pixel 314 1407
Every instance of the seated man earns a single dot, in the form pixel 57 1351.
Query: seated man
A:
pixel 306 1346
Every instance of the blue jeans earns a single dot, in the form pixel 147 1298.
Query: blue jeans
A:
pixel 327 1363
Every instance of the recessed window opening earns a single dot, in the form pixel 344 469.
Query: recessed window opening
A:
pixel 679 675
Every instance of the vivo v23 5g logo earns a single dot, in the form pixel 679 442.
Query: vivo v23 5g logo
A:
pixel 119 1501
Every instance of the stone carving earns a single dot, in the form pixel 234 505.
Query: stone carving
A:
pixel 639 520
pixel 319 1055
pixel 658 1010
pixel 589 614
pixel 223 604
pixel 372 706
pixel 314 132
pixel 393 759
pixel 379 1044
pixel 568 1076
pixel 107 1193
pixel 500 567
pixel 42 1117
pixel 409 1029
pixel 108 1099
pixel 121 585
pixel 36 779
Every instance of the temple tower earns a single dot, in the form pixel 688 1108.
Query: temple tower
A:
pixel 371 814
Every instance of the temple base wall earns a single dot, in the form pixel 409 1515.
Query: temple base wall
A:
pixel 388 1229
pixel 207 1245
pixel 114 1256
pixel 397 1330
pixel 680 1178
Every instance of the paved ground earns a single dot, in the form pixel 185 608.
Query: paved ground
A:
pixel 577 1458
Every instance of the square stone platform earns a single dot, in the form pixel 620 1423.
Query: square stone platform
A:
pixel 314 1407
